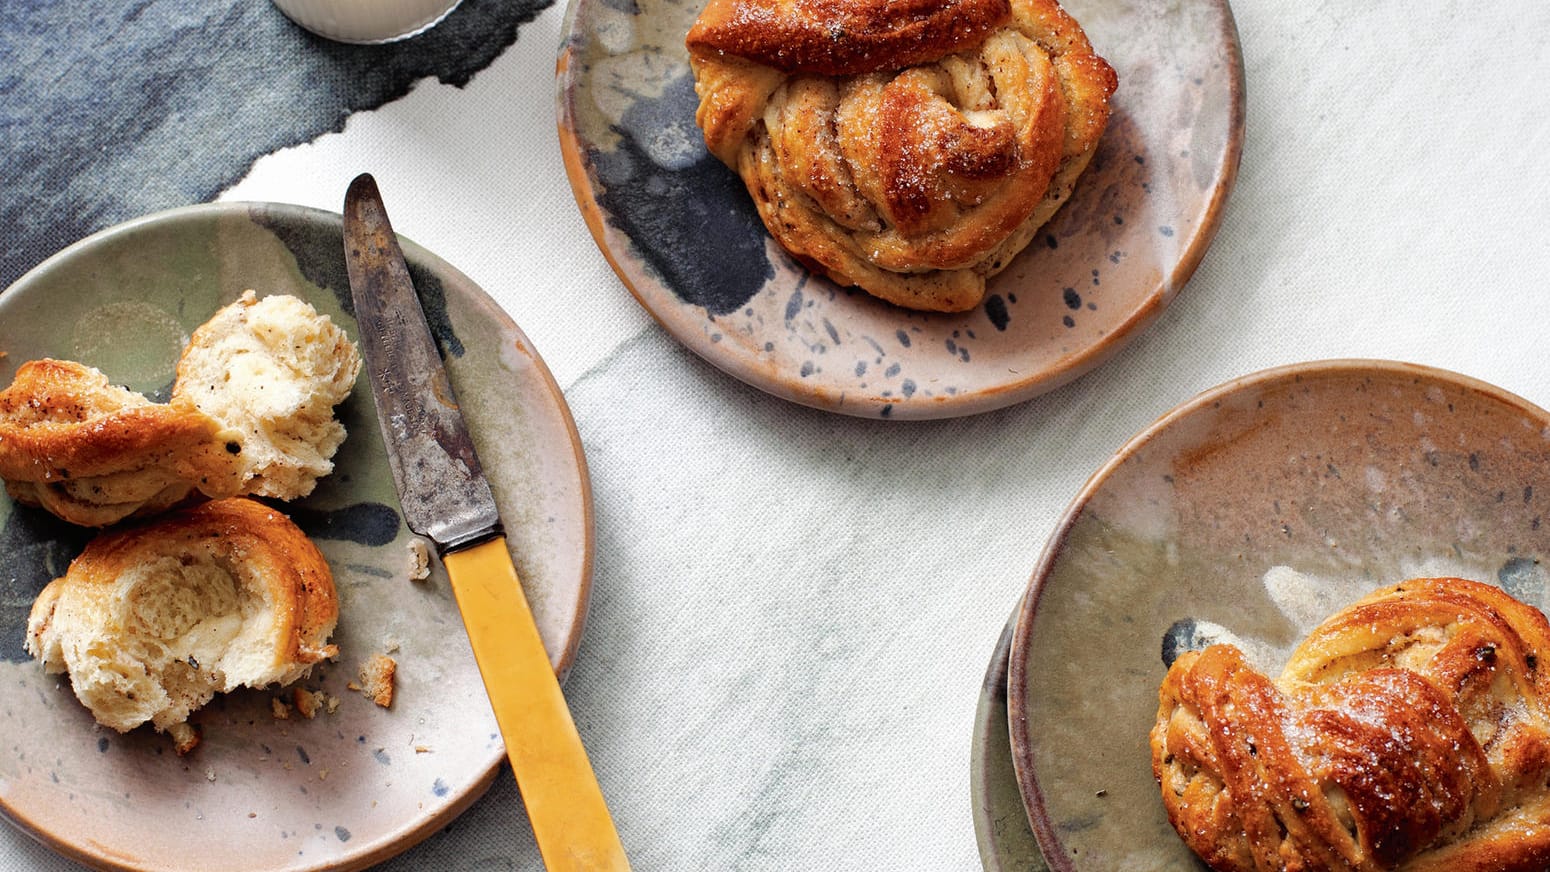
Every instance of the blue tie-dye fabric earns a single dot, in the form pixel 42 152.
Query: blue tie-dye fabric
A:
pixel 113 110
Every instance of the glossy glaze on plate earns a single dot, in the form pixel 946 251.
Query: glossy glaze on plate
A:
pixel 1006 843
pixel 681 232
pixel 1249 514
pixel 345 789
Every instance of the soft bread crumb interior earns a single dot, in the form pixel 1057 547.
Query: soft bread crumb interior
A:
pixel 273 369
pixel 173 634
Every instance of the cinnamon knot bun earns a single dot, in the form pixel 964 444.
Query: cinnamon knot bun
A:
pixel 911 148
pixel 1410 731
pixel 94 453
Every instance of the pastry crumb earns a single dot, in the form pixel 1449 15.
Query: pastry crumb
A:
pixel 185 738
pixel 419 560
pixel 422 749
pixel 281 711
pixel 376 679
pixel 209 773
pixel 309 702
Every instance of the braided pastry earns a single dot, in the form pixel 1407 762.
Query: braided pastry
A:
pixel 911 147
pixel 1410 731
pixel 93 453
pixel 252 412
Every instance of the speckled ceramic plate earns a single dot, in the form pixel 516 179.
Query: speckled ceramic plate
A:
pixel 680 230
pixel 1250 514
pixel 1006 843
pixel 345 789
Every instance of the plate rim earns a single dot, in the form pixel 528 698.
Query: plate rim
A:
pixel 418 830
pixel 990 709
pixel 787 386
pixel 1017 673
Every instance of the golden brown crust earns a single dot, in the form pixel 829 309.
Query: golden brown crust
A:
pixel 1410 731
pixel 93 453
pixel 843 37
pixel 913 162
pixel 152 620
pixel 250 541
pixel 375 679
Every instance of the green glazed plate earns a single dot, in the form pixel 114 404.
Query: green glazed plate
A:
pixel 1249 514
pixel 345 789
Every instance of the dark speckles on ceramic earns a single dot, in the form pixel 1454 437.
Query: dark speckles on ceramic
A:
pixel 346 789
pixel 682 233
pixel 37 550
pixel 653 184
pixel 1524 577
pixel 361 523
pixel 1250 514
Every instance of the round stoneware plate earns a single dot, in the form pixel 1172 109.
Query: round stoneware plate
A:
pixel 1250 514
pixel 362 783
pixel 681 232
pixel 1006 843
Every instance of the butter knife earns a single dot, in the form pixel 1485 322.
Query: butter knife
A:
pixel 446 499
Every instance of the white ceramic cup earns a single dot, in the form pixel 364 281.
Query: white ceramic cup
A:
pixel 366 20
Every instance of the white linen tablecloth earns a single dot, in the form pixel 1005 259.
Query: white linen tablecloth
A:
pixel 792 610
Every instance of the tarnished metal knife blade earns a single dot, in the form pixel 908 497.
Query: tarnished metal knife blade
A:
pixel 444 493
pixel 445 497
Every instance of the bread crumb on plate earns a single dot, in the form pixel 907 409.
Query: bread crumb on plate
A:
pixel 375 679
pixel 185 738
pixel 309 702
pixel 419 560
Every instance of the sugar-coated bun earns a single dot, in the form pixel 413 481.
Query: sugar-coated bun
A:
pixel 273 369
pixel 94 453
pixel 153 620
pixel 909 147
pixel 1410 732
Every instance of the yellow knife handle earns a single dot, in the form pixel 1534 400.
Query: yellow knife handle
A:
pixel 570 819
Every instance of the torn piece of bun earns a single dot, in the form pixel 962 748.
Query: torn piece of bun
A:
pixel 93 453
pixel 152 621
pixel 273 369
